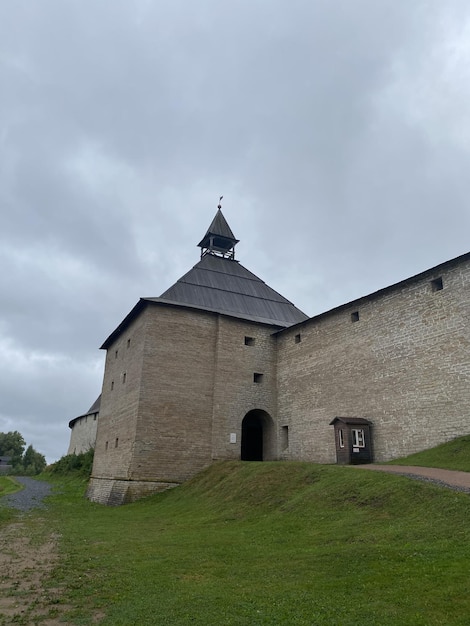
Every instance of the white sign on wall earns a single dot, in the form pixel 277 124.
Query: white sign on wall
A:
pixel 233 437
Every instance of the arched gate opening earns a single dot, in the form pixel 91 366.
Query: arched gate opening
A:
pixel 257 436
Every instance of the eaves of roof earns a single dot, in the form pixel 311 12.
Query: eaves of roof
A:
pixel 140 306
pixel 94 409
pixel 241 316
pixel 144 302
pixel 351 421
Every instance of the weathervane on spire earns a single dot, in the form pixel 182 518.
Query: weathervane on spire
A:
pixel 219 206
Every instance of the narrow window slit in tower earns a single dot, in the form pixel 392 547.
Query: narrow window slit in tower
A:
pixel 298 338
pixel 355 316
pixel 285 437
pixel 257 378
pixel 249 341
pixel 437 284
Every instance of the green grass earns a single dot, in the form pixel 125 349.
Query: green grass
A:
pixel 267 544
pixel 8 485
pixel 454 455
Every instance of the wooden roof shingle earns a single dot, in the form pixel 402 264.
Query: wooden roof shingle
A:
pixel 224 286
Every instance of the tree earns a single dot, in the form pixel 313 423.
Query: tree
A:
pixel 12 444
pixel 33 462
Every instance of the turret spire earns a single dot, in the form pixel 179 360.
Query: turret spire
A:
pixel 219 239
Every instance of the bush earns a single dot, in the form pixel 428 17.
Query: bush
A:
pixel 76 464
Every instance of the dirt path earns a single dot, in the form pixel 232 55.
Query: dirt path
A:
pixel 460 481
pixel 28 554
pixel 26 560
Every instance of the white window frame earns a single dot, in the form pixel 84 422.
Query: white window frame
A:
pixel 340 437
pixel 358 438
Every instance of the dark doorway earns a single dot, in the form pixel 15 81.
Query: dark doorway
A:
pixel 252 437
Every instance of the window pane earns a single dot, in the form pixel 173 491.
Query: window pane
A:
pixel 358 438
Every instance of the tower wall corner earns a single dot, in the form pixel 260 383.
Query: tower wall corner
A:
pixel 114 492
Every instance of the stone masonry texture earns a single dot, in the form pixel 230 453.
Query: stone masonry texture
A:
pixel 83 435
pixel 404 365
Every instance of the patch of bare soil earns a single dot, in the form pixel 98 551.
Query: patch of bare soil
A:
pixel 26 562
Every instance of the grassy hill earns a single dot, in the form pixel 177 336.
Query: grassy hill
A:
pixel 268 544
pixel 454 455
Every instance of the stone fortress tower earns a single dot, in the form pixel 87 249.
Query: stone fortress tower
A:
pixel 83 427
pixel 183 373
pixel 221 366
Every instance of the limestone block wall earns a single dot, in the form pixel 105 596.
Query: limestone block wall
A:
pixel 116 492
pixel 243 350
pixel 83 434
pixel 120 402
pixel 399 358
pixel 173 434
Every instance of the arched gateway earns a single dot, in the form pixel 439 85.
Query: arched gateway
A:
pixel 258 441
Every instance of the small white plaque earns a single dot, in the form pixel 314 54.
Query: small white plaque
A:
pixel 355 449
pixel 233 437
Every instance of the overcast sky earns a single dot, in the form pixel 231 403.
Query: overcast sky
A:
pixel 338 132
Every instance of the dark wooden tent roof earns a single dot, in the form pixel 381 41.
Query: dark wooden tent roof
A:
pixel 225 286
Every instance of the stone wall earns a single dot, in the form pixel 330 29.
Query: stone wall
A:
pixel 119 408
pixel 83 434
pixel 173 434
pixel 116 492
pixel 399 358
pixel 243 350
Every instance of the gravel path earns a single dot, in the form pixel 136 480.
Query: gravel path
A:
pixel 30 497
pixel 458 481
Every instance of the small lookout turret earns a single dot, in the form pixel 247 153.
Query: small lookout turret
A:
pixel 219 239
